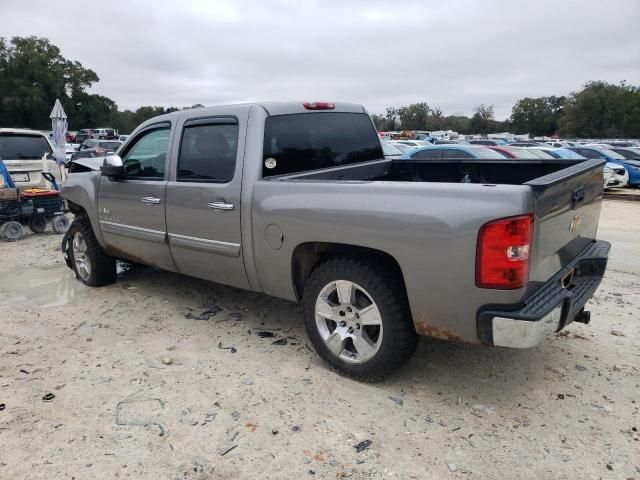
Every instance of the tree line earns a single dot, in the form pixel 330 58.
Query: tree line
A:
pixel 33 73
pixel 599 110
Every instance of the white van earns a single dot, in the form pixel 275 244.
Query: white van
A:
pixel 22 152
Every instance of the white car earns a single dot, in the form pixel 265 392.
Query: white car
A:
pixel 619 175
pixel 402 145
pixel 26 154
pixel 70 149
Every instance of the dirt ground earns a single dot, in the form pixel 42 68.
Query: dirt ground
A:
pixel 144 388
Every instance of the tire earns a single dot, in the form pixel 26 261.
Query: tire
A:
pixel 90 263
pixel 60 224
pixel 11 231
pixel 38 223
pixel 334 324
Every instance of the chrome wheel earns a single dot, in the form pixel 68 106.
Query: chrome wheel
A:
pixel 348 321
pixel 80 258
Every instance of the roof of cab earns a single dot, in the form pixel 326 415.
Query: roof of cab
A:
pixel 272 108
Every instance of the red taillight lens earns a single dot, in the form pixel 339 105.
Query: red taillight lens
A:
pixel 502 258
pixel 319 105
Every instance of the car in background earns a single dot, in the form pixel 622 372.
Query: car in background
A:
pixel 526 144
pixel 562 153
pixel 453 152
pixel 83 135
pixel 403 147
pixel 631 162
pixel 625 144
pixel 619 175
pixel 96 148
pixel 515 152
pixel 540 152
pixel 105 134
pixel 122 138
pixel 26 154
pixel 391 151
pixel 490 142
pixel 69 150
pixel 413 143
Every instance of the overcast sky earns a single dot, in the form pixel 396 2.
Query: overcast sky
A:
pixel 451 54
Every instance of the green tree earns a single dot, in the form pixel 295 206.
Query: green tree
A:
pixel 414 117
pixel 33 74
pixel 537 116
pixel 603 110
pixel 482 119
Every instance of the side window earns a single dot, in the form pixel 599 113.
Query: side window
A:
pixel 208 152
pixel 146 157
pixel 456 154
pixel 429 153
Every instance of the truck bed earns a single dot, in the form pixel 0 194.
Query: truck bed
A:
pixel 485 171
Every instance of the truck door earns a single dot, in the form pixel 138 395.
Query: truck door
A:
pixel 203 200
pixel 132 209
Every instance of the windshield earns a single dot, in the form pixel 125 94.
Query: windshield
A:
pixel 390 151
pixel 523 153
pixel 310 141
pixel 610 154
pixel 15 146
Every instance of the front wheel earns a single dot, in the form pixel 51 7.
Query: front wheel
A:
pixel 357 318
pixel 90 263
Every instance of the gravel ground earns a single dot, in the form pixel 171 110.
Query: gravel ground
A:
pixel 133 381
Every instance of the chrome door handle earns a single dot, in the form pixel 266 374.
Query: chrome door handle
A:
pixel 221 205
pixel 150 200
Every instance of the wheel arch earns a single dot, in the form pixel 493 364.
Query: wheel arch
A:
pixel 306 256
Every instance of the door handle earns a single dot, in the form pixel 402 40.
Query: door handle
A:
pixel 150 200
pixel 221 205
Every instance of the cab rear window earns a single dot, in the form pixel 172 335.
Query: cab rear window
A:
pixel 311 141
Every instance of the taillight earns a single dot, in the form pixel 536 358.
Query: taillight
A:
pixel 319 105
pixel 502 257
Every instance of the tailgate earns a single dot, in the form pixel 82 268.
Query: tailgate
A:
pixel 566 207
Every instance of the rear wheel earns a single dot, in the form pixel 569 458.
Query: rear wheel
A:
pixel 357 318
pixel 90 263
pixel 38 223
pixel 11 231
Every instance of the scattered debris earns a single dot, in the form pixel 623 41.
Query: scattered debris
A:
pixel 210 310
pixel 247 381
pixel 231 349
pixel 282 341
pixel 398 401
pixel 362 446
pixel 581 368
pixel 295 428
pixel 251 425
pixel 167 360
pixel 227 450
pixel 136 416
pixel 210 417
pixel 617 333
pixel 235 415
pixel 274 431
pixel 48 397
pixel 452 467
pixel 560 396
pixel 265 334
pixel 2 406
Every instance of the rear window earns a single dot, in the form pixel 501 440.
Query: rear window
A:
pixel 310 141
pixel 109 145
pixel 14 147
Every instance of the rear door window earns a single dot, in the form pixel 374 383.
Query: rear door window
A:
pixel 311 141
pixel 208 151
pixel 23 147
pixel 428 153
pixel 456 154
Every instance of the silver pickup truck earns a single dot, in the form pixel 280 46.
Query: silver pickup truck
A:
pixel 296 200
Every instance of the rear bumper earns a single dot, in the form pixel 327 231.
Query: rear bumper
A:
pixel 550 308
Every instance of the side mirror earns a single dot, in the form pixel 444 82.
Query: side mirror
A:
pixel 112 166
